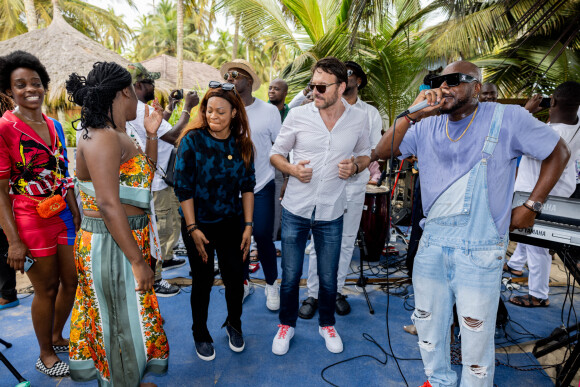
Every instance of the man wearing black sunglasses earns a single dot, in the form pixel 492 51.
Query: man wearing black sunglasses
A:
pixel 467 154
pixel 330 142
pixel 265 122
pixel 355 197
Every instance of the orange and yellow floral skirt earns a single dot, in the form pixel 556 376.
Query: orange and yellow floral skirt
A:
pixel 116 333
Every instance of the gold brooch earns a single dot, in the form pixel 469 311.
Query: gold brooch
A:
pixel 230 157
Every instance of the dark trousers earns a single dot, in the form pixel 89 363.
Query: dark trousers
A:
pixel 7 274
pixel 264 211
pixel 225 238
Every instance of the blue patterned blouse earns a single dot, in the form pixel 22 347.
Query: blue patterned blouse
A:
pixel 211 171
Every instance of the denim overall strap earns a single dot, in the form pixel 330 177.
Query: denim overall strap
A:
pixel 493 135
pixel 459 261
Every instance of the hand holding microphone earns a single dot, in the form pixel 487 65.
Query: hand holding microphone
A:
pixel 426 104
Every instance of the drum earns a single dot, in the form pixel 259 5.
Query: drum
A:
pixel 375 220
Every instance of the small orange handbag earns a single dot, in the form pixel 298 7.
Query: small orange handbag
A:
pixel 50 206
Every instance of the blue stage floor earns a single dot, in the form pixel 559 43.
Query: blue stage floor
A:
pixel 307 357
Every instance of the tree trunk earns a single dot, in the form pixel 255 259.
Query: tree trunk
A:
pixel 30 11
pixel 236 37
pixel 179 82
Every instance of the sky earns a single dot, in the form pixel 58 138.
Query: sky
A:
pixel 130 15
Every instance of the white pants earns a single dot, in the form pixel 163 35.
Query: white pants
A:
pixel 355 194
pixel 539 264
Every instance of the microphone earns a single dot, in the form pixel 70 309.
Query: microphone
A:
pixel 420 106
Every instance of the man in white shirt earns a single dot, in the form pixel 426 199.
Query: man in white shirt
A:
pixel 265 122
pixel 564 120
pixel 355 198
pixel 165 202
pixel 330 142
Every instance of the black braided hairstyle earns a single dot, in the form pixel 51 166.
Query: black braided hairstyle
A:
pixel 96 92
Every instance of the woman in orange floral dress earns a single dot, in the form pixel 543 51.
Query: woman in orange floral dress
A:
pixel 116 331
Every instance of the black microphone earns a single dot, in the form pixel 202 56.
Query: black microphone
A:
pixel 420 106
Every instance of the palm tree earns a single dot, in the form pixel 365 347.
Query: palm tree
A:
pixel 179 82
pixel 532 42
pixel 157 34
pixel 30 11
pixel 310 30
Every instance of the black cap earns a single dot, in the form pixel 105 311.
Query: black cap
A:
pixel 358 71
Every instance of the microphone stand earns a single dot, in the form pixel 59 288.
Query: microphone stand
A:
pixel 22 382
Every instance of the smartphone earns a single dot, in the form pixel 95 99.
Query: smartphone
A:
pixel 545 102
pixel 28 263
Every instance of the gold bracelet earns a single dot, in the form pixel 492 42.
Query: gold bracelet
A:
pixel 168 111
pixel 186 112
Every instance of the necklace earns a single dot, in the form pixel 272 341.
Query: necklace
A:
pixel 465 131
pixel 28 118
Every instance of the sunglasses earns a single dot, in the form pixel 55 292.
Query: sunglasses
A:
pixel 234 74
pixel 223 86
pixel 320 88
pixel 452 80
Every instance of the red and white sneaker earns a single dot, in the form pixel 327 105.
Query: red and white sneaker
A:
pixel 332 339
pixel 281 342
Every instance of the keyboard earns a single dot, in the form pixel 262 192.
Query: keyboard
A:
pixel 558 225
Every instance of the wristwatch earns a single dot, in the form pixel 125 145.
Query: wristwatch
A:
pixel 534 206
pixel 251 224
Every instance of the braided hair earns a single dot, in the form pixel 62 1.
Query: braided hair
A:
pixel 96 92
pixel 6 103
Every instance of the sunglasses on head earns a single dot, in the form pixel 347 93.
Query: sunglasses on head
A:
pixel 452 80
pixel 320 88
pixel 234 74
pixel 223 86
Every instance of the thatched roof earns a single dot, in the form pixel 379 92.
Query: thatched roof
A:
pixel 196 75
pixel 63 50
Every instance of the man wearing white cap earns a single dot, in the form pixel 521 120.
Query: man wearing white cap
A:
pixel 265 123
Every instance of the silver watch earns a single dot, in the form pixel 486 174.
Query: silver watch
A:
pixel 534 206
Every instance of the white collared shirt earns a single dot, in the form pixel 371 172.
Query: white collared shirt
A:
pixel 375 134
pixel 264 120
pixel 305 133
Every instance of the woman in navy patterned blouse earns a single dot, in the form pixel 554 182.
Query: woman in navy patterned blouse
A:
pixel 214 166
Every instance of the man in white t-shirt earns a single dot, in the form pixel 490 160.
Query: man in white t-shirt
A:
pixel 166 204
pixel 265 123
pixel 564 120
pixel 355 198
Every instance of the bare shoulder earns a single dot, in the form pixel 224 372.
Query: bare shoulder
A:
pixel 102 141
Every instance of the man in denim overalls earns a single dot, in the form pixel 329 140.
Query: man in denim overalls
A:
pixel 467 154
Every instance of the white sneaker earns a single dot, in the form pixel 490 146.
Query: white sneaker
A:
pixel 332 339
pixel 273 296
pixel 247 289
pixel 281 342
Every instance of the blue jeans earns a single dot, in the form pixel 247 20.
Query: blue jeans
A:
pixel 327 240
pixel 263 229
